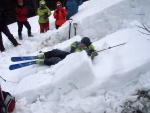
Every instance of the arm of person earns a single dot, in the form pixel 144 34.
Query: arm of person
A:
pixel 73 47
pixel 49 11
pixel 55 14
pixel 17 11
pixel 25 11
pixel 93 51
pixel 40 13
pixel 65 12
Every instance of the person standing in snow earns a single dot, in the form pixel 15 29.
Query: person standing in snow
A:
pixel 43 12
pixel 21 15
pixel 60 15
pixel 5 30
pixel 53 57
pixel 72 7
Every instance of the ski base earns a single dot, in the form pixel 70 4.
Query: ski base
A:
pixel 20 65
pixel 16 59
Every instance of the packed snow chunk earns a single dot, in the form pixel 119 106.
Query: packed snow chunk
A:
pixel 65 46
pixel 33 86
pixel 75 71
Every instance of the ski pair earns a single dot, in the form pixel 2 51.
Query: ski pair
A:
pixel 20 65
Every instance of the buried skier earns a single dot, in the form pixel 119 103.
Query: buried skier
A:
pixel 53 57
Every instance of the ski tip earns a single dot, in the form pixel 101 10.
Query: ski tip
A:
pixel 20 65
pixel 12 67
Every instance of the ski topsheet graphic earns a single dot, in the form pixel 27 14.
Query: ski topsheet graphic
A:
pixel 22 58
pixel 20 65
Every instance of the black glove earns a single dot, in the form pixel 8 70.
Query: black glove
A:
pixel 57 11
pixel 89 52
pixel 46 15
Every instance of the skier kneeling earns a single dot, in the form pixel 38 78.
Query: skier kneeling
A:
pixel 53 57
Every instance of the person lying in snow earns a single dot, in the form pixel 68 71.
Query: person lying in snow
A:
pixel 53 57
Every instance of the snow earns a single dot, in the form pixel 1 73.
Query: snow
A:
pixel 77 84
pixel 80 72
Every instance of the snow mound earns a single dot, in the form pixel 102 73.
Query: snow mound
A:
pixel 42 86
pixel 75 71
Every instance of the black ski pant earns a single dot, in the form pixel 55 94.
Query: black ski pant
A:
pixel 6 31
pixel 54 56
pixel 20 26
pixel 57 26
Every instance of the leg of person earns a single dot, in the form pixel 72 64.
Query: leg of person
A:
pixel 67 18
pixel 27 25
pixel 48 61
pixel 56 53
pixel 1 43
pixel 57 26
pixel 46 26
pixel 52 61
pixel 41 27
pixel 6 31
pixel 20 26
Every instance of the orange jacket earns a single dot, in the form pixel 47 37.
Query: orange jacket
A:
pixel 60 15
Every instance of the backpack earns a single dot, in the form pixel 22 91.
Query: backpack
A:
pixel 9 102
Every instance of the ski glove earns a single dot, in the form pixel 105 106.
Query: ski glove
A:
pixel 93 55
pixel 57 11
pixel 46 15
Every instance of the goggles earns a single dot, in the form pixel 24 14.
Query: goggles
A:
pixel 43 2
pixel 58 5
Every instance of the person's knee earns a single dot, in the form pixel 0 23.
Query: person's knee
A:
pixel 52 61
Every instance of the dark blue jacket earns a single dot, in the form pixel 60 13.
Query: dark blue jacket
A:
pixel 79 2
pixel 72 7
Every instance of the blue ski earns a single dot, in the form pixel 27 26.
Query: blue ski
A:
pixel 20 65
pixel 22 58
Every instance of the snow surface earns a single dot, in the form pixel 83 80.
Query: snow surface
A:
pixel 77 84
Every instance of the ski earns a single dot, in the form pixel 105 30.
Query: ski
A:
pixel 22 58
pixel 20 65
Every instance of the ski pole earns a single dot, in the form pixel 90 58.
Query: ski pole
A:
pixel 7 81
pixel 75 26
pixel 70 21
pixel 111 47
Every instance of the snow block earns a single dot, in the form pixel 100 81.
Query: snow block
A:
pixel 75 71
pixel 33 86
pixel 65 46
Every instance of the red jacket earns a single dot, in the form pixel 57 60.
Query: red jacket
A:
pixel 60 15
pixel 21 13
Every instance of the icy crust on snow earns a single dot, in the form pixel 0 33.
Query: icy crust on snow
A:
pixel 106 20
pixel 42 86
pixel 124 63
pixel 75 71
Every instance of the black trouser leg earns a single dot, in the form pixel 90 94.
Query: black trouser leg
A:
pixel 20 26
pixel 52 61
pixel 6 31
pixel 27 25
pixel 1 43
pixel 57 26
pixel 56 53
